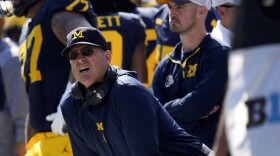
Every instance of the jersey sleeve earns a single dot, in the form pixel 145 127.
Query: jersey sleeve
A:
pixel 140 27
pixel 82 6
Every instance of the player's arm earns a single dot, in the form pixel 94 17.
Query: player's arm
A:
pixel 29 131
pixel 65 21
pixel 17 99
pixel 138 62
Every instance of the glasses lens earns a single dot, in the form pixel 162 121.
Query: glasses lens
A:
pixel 72 55
pixel 86 51
pixel 228 6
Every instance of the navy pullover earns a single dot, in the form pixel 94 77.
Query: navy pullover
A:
pixel 129 122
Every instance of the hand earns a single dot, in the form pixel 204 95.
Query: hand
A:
pixel 19 149
pixel 214 110
pixel 58 123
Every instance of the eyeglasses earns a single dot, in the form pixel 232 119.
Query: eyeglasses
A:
pixel 229 6
pixel 85 51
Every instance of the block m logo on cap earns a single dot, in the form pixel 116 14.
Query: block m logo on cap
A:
pixel 78 34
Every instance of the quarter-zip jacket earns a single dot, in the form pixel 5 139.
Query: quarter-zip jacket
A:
pixel 189 84
pixel 129 122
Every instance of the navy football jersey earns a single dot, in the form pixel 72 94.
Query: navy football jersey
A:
pixel 43 69
pixel 122 31
pixel 148 16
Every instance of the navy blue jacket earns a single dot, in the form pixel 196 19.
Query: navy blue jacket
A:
pixel 129 122
pixel 190 84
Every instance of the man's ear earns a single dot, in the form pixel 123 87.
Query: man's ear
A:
pixel 221 12
pixel 202 10
pixel 108 56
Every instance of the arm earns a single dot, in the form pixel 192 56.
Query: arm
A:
pixel 28 132
pixel 138 63
pixel 206 94
pixel 18 106
pixel 157 85
pixel 65 21
pixel 139 120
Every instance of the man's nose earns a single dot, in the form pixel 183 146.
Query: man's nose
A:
pixel 173 11
pixel 81 58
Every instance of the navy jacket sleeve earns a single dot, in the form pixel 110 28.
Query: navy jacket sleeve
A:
pixel 138 117
pixel 157 85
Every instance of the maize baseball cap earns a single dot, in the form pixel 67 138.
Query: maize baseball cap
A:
pixel 206 3
pixel 85 35
pixel 216 3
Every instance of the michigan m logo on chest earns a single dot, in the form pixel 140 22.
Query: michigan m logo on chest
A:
pixel 192 70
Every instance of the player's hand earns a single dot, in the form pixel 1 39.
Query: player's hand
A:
pixel 214 110
pixel 58 123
